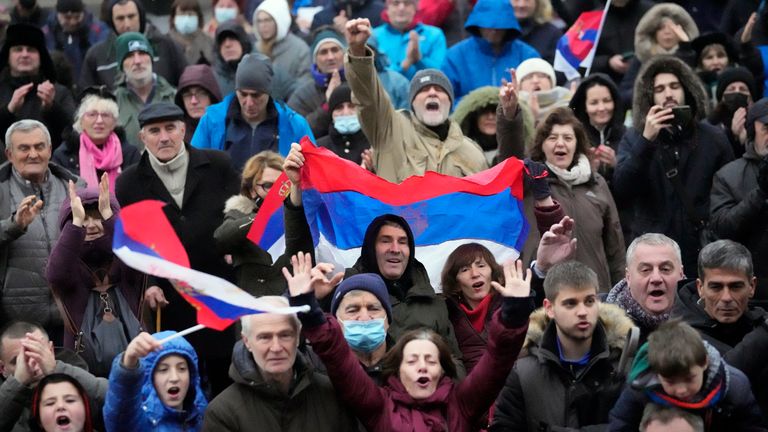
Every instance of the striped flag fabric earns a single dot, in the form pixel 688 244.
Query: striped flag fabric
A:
pixel 576 48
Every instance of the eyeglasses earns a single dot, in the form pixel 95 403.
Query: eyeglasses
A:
pixel 266 185
pixel 196 94
pixel 92 115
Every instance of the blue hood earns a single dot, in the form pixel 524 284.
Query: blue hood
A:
pixel 496 14
pixel 195 402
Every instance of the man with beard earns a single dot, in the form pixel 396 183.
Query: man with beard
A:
pixel 667 160
pixel 407 143
pixel 569 377
pixel 141 87
pixel 647 292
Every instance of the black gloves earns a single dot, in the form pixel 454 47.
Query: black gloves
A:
pixel 536 173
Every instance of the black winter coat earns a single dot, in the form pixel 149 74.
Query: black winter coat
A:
pixel 210 180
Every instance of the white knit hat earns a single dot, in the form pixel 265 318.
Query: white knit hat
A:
pixel 535 65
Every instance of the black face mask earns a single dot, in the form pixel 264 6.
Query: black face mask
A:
pixel 28 4
pixel 734 101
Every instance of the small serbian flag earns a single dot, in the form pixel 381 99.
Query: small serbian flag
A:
pixel 341 199
pixel 145 240
pixel 576 48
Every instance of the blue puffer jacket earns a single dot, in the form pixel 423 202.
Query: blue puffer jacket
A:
pixel 132 404
pixel 212 129
pixel 472 63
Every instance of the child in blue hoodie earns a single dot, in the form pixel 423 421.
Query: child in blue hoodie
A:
pixel 154 387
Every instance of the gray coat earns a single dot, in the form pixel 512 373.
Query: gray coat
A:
pixel 25 293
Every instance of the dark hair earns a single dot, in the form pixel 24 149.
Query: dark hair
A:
pixel 560 116
pixel 674 348
pixel 240 5
pixel 726 254
pixel 569 274
pixel 464 256
pixel 34 419
pixel 579 100
pixel 187 5
pixel 18 329
pixel 390 364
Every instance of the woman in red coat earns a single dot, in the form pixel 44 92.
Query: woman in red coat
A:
pixel 419 393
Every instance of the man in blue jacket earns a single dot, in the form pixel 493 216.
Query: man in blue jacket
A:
pixel 493 47
pixel 250 120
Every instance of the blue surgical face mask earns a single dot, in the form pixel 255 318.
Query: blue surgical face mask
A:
pixel 224 14
pixel 364 336
pixel 347 125
pixel 185 24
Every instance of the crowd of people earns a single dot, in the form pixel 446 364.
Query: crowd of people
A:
pixel 637 300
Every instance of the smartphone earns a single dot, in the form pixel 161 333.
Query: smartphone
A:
pixel 627 56
pixel 683 115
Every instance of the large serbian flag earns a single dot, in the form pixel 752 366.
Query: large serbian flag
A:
pixel 340 199
pixel 576 48
pixel 145 240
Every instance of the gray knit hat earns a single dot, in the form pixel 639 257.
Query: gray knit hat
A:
pixel 428 77
pixel 254 73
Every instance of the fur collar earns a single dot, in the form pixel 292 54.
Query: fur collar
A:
pixel 241 203
pixel 645 32
pixel 615 321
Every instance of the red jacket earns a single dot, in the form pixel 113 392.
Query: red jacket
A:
pixel 453 407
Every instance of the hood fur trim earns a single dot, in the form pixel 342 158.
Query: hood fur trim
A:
pixel 614 319
pixel 645 32
pixel 695 94
pixel 240 203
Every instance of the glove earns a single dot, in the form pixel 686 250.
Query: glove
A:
pixel 536 173
pixel 762 175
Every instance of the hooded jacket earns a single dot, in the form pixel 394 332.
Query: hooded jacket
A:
pixel 472 63
pixel 201 76
pixel 740 211
pixel 733 408
pixel 289 52
pixel 211 132
pixel 132 403
pixel 454 406
pixel 542 393
pixel 722 336
pixel 645 41
pixel 100 65
pixel 254 269
pixel 254 402
pixel 640 176
pixel 403 146
pixel 74 263
pixel 611 135
pixel 392 41
pixel 467 112
pixel 223 70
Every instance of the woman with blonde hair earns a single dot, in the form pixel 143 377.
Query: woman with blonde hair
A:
pixel 254 269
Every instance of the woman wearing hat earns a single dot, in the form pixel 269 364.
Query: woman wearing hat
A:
pixel 736 91
pixel 419 391
pixel 345 137
pixel 96 145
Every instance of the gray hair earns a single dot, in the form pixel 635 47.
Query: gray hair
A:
pixel 276 301
pixel 26 125
pixel 88 102
pixel 653 239
pixel 666 415
pixel 726 254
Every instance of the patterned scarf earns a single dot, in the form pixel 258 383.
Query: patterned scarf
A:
pixel 621 297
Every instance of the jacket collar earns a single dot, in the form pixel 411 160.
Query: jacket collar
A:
pixel 197 158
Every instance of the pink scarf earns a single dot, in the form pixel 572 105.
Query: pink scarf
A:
pixel 107 158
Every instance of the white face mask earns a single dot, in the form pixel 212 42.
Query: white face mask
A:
pixel 185 24
pixel 224 14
